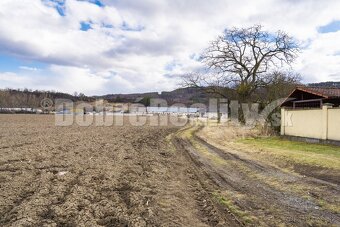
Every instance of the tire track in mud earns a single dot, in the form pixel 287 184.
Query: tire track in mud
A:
pixel 266 169
pixel 332 183
pixel 261 199
pixel 208 208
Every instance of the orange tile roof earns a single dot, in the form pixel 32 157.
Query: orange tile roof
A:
pixel 320 91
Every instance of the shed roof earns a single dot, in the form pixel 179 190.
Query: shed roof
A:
pixel 321 91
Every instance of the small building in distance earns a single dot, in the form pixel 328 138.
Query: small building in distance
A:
pixel 173 110
pixel 312 114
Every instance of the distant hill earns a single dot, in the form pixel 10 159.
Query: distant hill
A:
pixel 186 96
pixel 17 98
pixel 330 84
pixel 14 98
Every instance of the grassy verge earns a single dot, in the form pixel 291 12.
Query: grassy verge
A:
pixel 188 135
pixel 244 216
pixel 303 153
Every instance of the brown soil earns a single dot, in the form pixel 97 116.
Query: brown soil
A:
pixel 98 176
pixel 316 172
pixel 145 176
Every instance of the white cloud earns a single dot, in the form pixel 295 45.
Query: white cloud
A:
pixel 29 68
pixel 60 78
pixel 8 79
pixel 320 61
pixel 132 43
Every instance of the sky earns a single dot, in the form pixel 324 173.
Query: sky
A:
pixel 125 46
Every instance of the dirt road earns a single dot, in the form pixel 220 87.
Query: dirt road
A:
pixel 259 193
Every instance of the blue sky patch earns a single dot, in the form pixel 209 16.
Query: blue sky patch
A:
pixel 13 64
pixel 59 5
pixel 61 10
pixel 195 57
pixel 171 66
pixel 84 26
pixel 96 2
pixel 331 27
pixel 107 25
pixel 126 27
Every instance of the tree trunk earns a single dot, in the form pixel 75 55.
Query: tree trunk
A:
pixel 244 97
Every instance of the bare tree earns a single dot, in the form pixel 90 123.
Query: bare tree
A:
pixel 243 58
pixel 281 85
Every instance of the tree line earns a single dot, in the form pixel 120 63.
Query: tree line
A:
pixel 27 98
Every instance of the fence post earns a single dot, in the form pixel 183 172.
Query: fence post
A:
pixel 283 121
pixel 325 108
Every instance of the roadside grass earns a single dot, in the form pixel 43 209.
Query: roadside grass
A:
pixel 188 134
pixel 301 189
pixel 271 149
pixel 293 152
pixel 326 156
pixel 234 209
pixel 327 206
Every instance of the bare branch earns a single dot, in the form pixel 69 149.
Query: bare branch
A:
pixel 246 56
